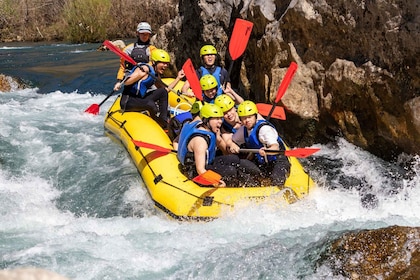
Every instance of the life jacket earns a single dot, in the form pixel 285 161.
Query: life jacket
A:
pixel 140 53
pixel 190 130
pixel 142 87
pixel 252 141
pixel 228 127
pixel 216 74
pixel 177 122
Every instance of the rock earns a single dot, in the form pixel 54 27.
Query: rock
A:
pixel 386 253
pixel 8 84
pixel 358 73
pixel 29 274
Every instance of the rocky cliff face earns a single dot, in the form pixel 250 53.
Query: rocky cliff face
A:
pixel 358 73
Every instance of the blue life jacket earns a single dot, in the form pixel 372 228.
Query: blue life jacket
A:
pixel 228 127
pixel 216 74
pixel 140 88
pixel 178 121
pixel 252 141
pixel 190 130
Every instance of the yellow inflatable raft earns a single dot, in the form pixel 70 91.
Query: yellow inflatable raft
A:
pixel 174 193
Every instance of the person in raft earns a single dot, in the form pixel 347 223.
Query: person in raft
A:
pixel 261 135
pixel 231 120
pixel 209 57
pixel 140 51
pixel 209 86
pixel 178 121
pixel 143 89
pixel 197 150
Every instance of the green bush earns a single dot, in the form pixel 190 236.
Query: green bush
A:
pixel 86 20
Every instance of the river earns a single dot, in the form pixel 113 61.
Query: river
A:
pixel 72 201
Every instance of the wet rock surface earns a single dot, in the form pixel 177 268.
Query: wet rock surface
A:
pixel 387 253
pixel 8 84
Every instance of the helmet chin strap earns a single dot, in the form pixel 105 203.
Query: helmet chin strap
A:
pixel 206 123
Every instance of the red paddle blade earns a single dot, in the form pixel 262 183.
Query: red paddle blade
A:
pixel 264 110
pixel 208 178
pixel 119 52
pixel 93 109
pixel 151 146
pixel 286 81
pixel 192 78
pixel 301 152
pixel 239 38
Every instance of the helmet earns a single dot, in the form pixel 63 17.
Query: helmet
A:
pixel 225 102
pixel 210 110
pixel 196 107
pixel 159 55
pixel 208 81
pixel 144 27
pixel 207 49
pixel 247 108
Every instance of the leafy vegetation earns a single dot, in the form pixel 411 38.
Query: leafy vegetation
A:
pixel 79 21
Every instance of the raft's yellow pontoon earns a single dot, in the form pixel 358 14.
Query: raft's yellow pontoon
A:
pixel 174 193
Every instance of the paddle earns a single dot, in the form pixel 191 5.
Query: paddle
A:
pixel 151 146
pixel 298 152
pixel 207 178
pixel 94 108
pixel 119 52
pixel 265 109
pixel 283 86
pixel 239 40
pixel 192 78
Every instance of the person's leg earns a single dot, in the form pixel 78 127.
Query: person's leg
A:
pixel 161 96
pixel 227 166
pixel 280 171
pixel 135 104
pixel 248 174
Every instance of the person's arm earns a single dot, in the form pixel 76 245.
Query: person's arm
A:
pixel 236 97
pixel 175 143
pixel 198 145
pixel 185 89
pixel 235 141
pixel 178 78
pixel 139 73
pixel 268 136
pixel 121 70
pixel 221 144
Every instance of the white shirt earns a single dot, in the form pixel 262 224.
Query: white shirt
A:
pixel 267 135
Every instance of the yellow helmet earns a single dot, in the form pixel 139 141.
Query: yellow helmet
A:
pixel 210 110
pixel 208 81
pixel 207 49
pixel 247 108
pixel 225 102
pixel 196 107
pixel 159 55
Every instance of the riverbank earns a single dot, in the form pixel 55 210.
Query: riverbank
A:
pixel 72 20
